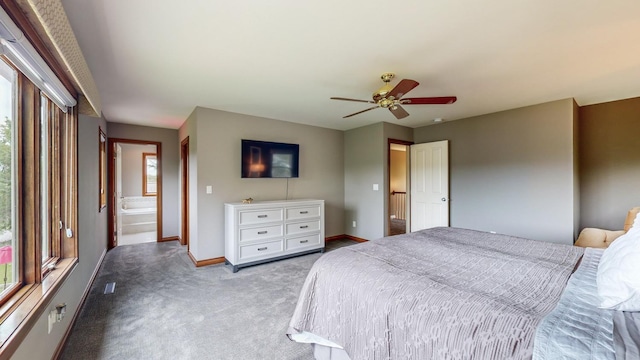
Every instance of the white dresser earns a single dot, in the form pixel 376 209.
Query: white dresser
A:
pixel 271 230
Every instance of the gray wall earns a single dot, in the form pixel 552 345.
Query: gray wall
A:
pixel 216 153
pixel 132 167
pixel 513 172
pixel 170 168
pixel 92 245
pixel 365 164
pixel 609 162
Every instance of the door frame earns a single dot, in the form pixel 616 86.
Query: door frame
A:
pixel 184 191
pixel 111 239
pixel 388 185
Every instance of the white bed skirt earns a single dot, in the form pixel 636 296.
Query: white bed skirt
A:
pixel 321 352
pixel 323 349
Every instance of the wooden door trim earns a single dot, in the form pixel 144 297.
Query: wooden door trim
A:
pixel 388 185
pixel 111 205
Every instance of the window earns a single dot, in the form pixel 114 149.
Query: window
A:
pixel 45 152
pixel 38 200
pixel 50 182
pixel 38 179
pixel 37 182
pixel 8 245
pixel 149 174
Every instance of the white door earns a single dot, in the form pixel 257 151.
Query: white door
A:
pixel 429 185
pixel 118 176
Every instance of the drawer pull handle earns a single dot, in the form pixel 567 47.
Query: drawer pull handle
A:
pixel 262 216
pixel 262 232
pixel 304 241
pixel 262 248
pixel 304 212
pixel 304 226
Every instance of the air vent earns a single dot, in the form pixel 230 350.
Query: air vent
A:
pixel 110 288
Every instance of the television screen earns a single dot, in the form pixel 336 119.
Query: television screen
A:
pixel 263 159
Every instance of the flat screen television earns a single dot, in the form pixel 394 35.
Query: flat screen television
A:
pixel 263 159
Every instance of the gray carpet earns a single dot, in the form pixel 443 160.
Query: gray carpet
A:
pixel 165 308
pixel 398 226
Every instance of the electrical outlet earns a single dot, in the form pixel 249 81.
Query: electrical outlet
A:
pixel 354 223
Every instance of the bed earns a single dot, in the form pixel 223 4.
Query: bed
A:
pixel 448 293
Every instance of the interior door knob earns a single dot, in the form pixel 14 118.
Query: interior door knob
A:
pixel 444 199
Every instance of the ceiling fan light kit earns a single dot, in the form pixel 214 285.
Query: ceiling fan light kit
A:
pixel 390 97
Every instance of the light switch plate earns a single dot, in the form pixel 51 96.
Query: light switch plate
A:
pixel 375 187
pixel 209 189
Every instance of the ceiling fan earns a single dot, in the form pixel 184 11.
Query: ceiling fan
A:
pixel 389 97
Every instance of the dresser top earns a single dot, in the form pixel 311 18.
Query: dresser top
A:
pixel 274 202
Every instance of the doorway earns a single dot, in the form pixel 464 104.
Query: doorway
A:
pixel 398 174
pixel 135 189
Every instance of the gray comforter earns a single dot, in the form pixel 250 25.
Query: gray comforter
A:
pixel 442 293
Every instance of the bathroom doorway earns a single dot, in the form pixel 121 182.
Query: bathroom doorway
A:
pixel 135 186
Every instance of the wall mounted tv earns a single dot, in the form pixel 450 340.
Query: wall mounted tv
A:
pixel 263 159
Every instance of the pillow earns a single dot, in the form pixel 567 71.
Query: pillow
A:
pixel 636 224
pixel 618 277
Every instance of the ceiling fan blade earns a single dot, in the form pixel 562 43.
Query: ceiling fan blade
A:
pixel 360 112
pixel 347 99
pixel 398 112
pixel 403 87
pixel 441 100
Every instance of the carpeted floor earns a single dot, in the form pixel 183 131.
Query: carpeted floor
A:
pixel 165 308
pixel 398 226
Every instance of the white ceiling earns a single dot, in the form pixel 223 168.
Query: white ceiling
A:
pixel 155 61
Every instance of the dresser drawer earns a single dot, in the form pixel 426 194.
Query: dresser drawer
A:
pixel 303 227
pixel 248 217
pixel 303 241
pixel 262 232
pixel 250 251
pixel 303 212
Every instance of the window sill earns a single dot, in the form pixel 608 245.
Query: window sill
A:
pixel 30 303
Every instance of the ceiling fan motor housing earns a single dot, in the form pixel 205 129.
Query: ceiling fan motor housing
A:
pixel 382 92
